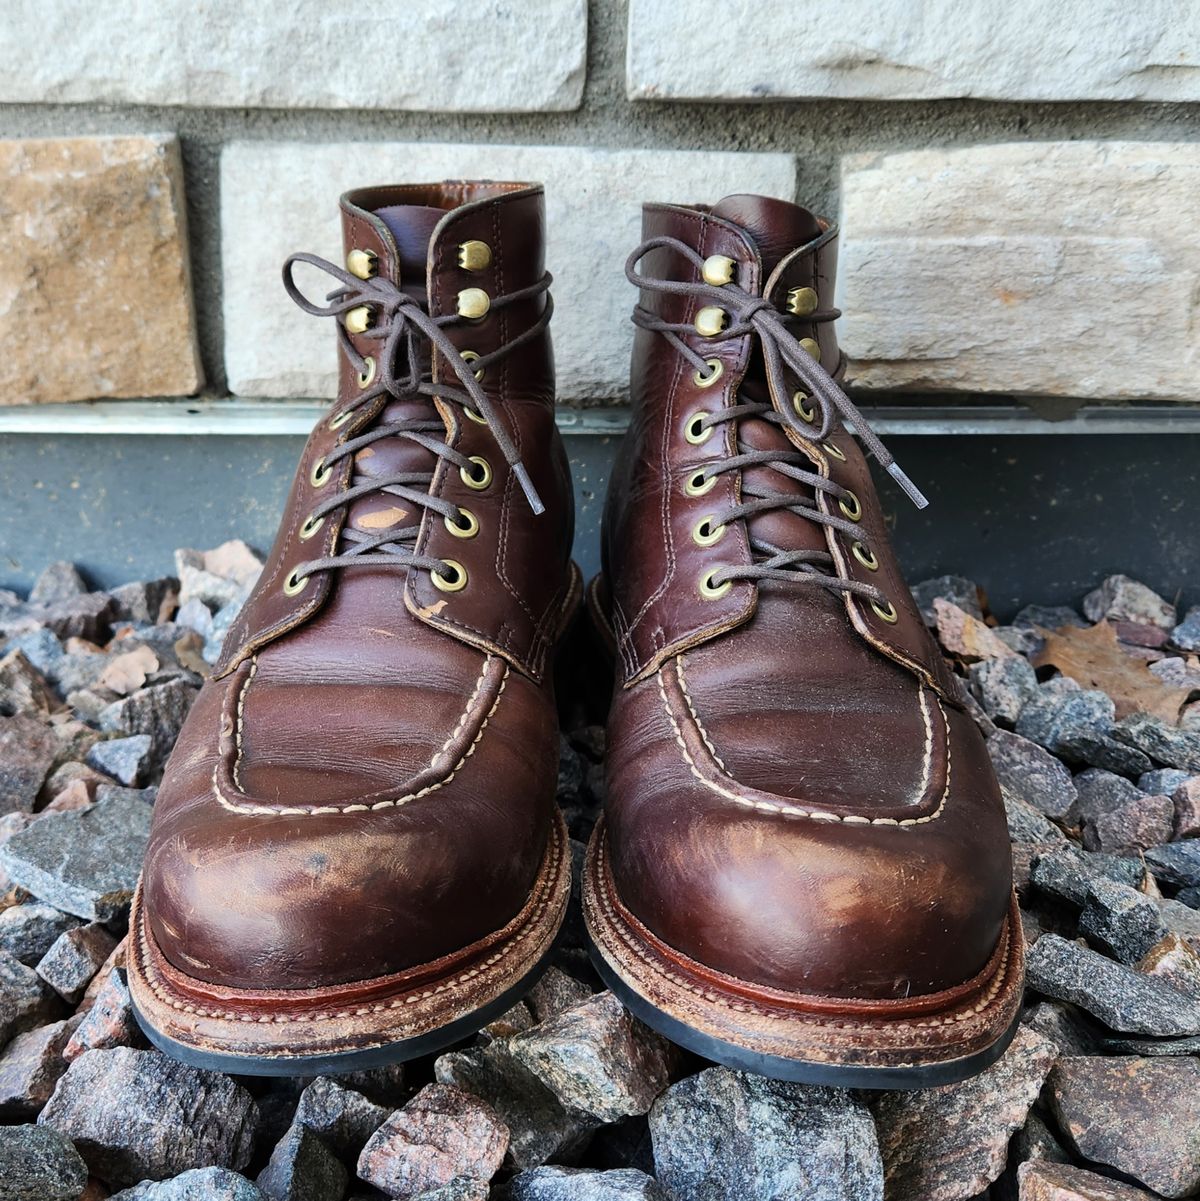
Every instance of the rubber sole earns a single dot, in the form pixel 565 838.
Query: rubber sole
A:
pixel 799 1071
pixel 356 1026
pixel 341 1062
pixel 916 1043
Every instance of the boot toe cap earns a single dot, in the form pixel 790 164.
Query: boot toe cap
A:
pixel 816 899
pixel 277 894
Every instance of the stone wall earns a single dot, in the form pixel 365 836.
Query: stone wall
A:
pixel 1017 182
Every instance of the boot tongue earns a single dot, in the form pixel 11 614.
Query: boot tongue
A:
pixel 777 226
pixel 412 226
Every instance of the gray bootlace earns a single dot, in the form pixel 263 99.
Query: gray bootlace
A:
pixel 755 315
pixel 400 326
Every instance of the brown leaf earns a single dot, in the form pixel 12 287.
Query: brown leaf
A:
pixel 189 650
pixel 127 673
pixel 381 519
pixel 1094 659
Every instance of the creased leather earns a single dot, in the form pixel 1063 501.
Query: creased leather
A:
pixel 795 795
pixel 367 783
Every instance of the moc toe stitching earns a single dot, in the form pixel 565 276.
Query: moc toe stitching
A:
pixel 766 802
pixel 226 773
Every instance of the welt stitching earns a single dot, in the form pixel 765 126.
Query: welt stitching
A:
pixel 543 902
pixel 997 983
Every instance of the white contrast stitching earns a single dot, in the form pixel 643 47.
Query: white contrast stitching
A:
pixel 462 721
pixel 627 937
pixel 358 807
pixel 150 974
pixel 788 810
pixel 712 750
pixel 241 708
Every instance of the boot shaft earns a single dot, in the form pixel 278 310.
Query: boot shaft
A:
pixel 735 308
pixel 443 314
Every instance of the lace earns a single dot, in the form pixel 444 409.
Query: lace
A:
pixel 751 314
pixel 400 326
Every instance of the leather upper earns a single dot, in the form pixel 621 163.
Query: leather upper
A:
pixel 367 783
pixel 796 796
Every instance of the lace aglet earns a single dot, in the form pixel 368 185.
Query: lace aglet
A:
pixel 910 489
pixel 531 495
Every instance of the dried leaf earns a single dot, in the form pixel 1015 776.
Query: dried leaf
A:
pixel 127 673
pixel 189 650
pixel 1093 658
pixel 381 519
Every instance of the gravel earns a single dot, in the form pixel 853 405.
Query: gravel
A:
pixel 566 1095
pixel 137 1115
pixel 1137 1115
pixel 84 862
pixel 724 1136
pixel 948 1143
pixel 1125 1000
pixel 39 1165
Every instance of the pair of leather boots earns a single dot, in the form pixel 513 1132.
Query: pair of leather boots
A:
pixel 802 868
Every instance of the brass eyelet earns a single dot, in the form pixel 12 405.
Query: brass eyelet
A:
pixel 294 585
pixel 716 370
pixel 359 319
pixel 695 431
pixel 482 480
pixel 804 410
pixel 812 346
pixel 366 377
pixel 833 451
pixel 363 263
pixel 320 474
pixel 468 529
pixel 801 302
pixel 711 321
pixel 473 304
pixel 718 270
pixel 454 579
pixel 711 591
pixel 866 557
pixel 336 423
pixel 310 527
pixel 474 255
pixel 474 415
pixel 707 532
pixel 471 356
pixel 851 506
pixel 697 485
pixel 888 614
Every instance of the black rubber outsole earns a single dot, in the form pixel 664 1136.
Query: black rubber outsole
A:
pixel 341 1062
pixel 799 1071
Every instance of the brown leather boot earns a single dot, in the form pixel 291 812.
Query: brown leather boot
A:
pixel 803 868
pixel 356 854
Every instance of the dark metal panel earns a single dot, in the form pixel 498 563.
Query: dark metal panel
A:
pixel 1029 516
